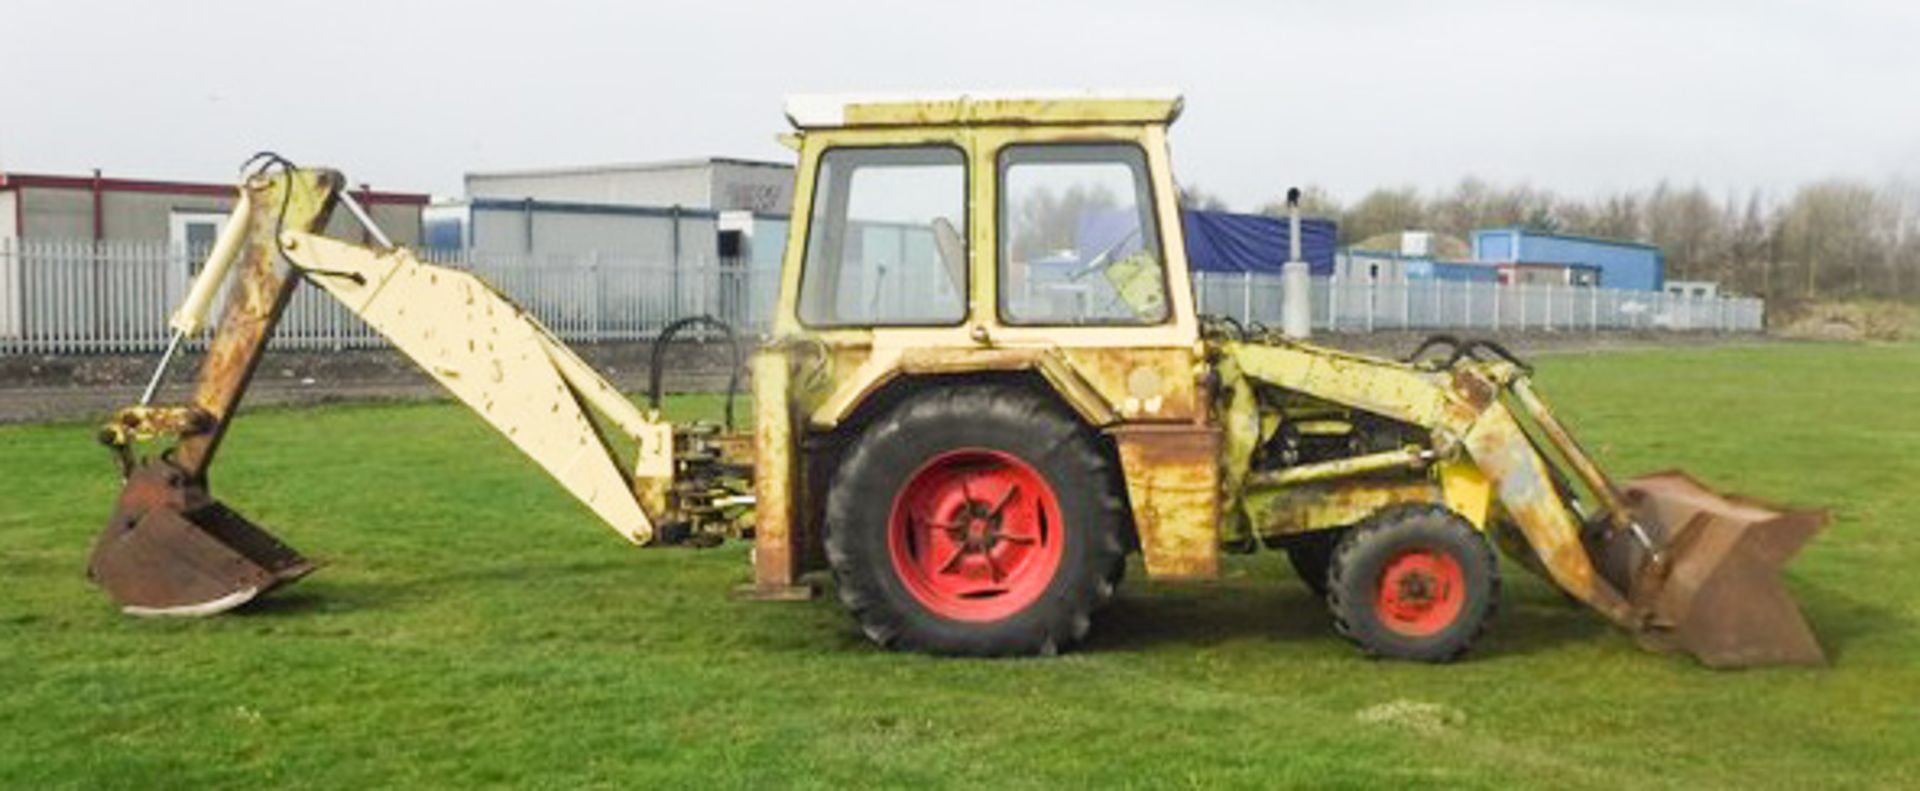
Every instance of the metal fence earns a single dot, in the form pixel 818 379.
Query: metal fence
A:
pixel 1364 306
pixel 85 297
pixel 82 297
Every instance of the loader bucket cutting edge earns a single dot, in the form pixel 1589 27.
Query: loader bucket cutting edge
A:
pixel 169 549
pixel 1715 589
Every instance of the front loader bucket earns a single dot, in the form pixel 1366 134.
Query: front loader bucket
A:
pixel 170 549
pixel 1712 588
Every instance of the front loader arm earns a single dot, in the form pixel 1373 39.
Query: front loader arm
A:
pixel 1677 565
pixel 1468 422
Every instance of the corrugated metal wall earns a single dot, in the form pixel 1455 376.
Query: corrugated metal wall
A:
pixel 1622 264
pixel 668 185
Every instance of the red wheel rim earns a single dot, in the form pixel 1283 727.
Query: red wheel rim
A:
pixel 975 534
pixel 1421 592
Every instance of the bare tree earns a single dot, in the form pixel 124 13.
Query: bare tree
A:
pixel 1833 237
pixel 1315 201
pixel 1383 211
pixel 1193 197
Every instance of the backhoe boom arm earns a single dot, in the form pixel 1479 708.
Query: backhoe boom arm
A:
pixel 170 548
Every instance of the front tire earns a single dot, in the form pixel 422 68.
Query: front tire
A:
pixel 975 520
pixel 1414 582
pixel 1311 554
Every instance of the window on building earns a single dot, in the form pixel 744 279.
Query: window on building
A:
pixel 1078 241
pixel 194 232
pixel 887 240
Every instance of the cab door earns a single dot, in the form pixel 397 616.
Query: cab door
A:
pixel 1079 251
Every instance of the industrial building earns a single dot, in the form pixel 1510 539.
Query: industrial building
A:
pixel 72 247
pixel 1528 256
pixel 677 213
pixel 1416 259
pixel 714 183
pixel 101 209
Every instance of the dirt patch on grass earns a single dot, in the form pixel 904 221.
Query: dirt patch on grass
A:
pixel 1427 719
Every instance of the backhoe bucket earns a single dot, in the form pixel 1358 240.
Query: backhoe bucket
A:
pixel 1711 586
pixel 170 549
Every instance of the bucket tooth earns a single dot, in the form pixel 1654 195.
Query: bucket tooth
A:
pixel 169 549
pixel 1714 588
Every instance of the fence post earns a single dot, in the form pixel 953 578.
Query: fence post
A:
pixel 1246 298
pixel 1373 293
pixel 1406 303
pixel 597 284
pixel 1496 306
pixel 1439 301
pixel 1333 302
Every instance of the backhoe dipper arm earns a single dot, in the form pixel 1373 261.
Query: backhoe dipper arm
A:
pixel 170 548
pixel 505 366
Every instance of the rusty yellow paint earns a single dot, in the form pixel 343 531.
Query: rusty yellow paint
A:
pixel 1243 427
pixel 1172 474
pixel 1383 387
pixel 1468 492
pixel 1412 456
pixel 776 557
pixel 1520 477
pixel 1288 510
pixel 886 363
pixel 964 110
pixel 1184 449
pixel 502 364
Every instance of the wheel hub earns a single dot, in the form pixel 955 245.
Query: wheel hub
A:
pixel 975 534
pixel 1421 592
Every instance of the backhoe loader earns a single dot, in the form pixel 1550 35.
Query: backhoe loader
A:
pixel 984 387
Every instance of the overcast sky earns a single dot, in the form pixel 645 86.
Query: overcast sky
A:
pixel 1575 97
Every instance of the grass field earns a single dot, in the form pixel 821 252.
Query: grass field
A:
pixel 474 626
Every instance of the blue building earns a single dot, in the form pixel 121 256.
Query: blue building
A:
pixel 1384 266
pixel 1623 265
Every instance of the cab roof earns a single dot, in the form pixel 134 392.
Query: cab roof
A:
pixel 831 111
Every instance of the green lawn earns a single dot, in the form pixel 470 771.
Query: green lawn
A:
pixel 474 626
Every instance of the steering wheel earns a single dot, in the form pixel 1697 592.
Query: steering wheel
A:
pixel 1105 257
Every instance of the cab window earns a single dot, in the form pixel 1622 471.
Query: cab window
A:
pixel 886 245
pixel 1078 241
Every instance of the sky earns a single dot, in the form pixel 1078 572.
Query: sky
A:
pixel 1577 97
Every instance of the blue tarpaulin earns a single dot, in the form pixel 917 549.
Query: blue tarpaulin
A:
pixel 1225 242
pixel 1217 241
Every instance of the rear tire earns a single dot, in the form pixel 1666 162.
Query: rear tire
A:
pixel 975 520
pixel 1413 582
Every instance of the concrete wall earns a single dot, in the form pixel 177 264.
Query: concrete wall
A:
pixel 8 229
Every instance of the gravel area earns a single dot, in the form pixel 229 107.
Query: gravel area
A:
pixel 88 387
